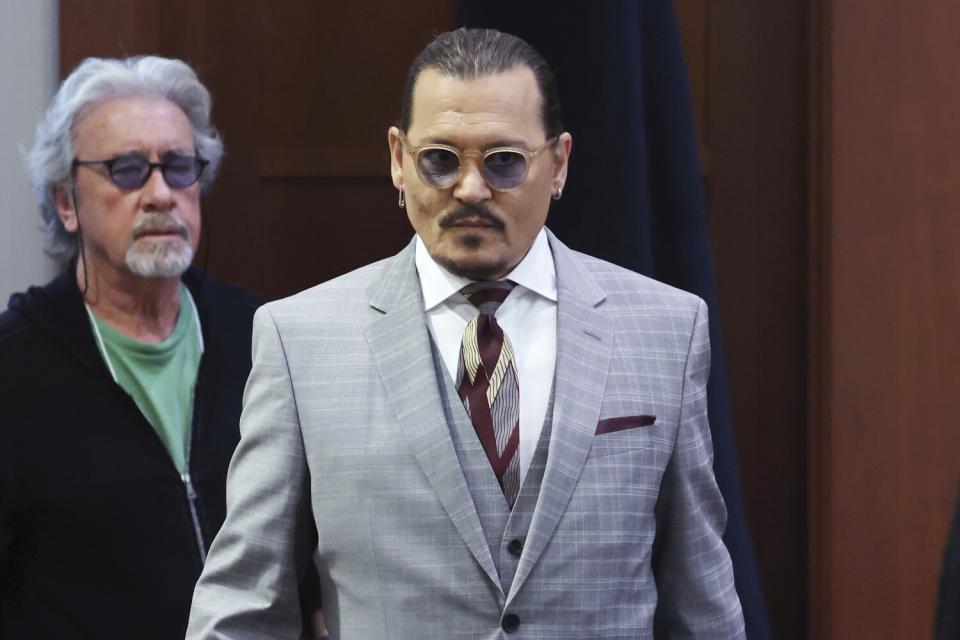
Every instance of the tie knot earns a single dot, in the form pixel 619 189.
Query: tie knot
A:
pixel 487 295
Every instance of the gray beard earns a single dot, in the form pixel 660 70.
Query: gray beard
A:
pixel 164 259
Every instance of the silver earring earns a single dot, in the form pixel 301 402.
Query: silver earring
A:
pixel 400 201
pixel 558 194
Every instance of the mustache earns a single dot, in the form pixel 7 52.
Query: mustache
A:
pixel 159 223
pixel 467 211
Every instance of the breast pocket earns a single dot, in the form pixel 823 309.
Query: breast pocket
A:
pixel 624 423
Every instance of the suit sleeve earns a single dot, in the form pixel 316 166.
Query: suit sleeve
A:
pixel 249 585
pixel 696 593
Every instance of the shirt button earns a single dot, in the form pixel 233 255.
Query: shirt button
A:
pixel 510 622
pixel 515 547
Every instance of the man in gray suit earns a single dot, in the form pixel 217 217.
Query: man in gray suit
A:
pixel 487 435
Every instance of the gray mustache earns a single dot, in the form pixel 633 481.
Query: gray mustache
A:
pixel 159 223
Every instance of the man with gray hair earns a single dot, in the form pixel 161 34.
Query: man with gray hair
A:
pixel 121 380
pixel 487 435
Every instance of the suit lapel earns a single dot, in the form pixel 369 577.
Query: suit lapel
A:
pixel 400 346
pixel 584 344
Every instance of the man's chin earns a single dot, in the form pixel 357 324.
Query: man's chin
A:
pixel 159 259
pixel 474 268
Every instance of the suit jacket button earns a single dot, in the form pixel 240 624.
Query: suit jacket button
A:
pixel 510 622
pixel 515 547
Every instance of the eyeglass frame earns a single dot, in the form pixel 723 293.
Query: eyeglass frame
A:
pixel 528 156
pixel 201 164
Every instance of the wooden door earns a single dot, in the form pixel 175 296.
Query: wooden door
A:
pixel 885 352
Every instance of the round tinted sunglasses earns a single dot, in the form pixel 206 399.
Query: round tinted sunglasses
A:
pixel 503 168
pixel 132 171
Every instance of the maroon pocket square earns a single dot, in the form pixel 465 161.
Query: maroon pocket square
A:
pixel 611 425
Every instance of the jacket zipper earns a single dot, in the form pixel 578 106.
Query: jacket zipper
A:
pixel 192 501
pixel 185 476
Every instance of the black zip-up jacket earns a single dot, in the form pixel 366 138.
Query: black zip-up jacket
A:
pixel 97 535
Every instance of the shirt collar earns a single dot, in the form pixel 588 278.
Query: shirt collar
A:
pixel 535 272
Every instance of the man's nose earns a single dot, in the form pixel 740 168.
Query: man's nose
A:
pixel 156 194
pixel 471 186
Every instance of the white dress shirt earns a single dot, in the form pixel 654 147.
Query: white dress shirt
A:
pixel 528 317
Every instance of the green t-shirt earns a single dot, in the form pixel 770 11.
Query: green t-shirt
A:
pixel 159 377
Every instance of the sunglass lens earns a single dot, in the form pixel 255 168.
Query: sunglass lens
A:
pixel 129 172
pixel 438 167
pixel 505 169
pixel 181 171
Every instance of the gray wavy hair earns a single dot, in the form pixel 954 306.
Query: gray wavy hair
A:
pixel 49 161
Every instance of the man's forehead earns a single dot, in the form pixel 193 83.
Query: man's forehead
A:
pixel 133 122
pixel 506 101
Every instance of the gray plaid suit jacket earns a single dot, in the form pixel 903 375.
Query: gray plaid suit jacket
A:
pixel 346 460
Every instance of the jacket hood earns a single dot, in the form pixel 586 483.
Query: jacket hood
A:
pixel 57 311
pixel 45 306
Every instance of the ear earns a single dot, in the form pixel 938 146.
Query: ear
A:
pixel 396 156
pixel 561 159
pixel 66 208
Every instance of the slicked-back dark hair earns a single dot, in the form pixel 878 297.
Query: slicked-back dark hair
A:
pixel 477 53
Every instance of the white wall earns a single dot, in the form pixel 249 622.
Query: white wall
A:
pixel 28 77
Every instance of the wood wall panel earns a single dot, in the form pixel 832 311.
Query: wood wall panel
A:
pixel 337 74
pixel 319 85
pixel 108 28
pixel 757 211
pixel 819 73
pixel 890 314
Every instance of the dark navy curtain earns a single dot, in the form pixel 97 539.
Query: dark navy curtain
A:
pixel 634 194
pixel 947 624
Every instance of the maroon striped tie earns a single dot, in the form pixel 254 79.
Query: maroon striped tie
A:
pixel 488 385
